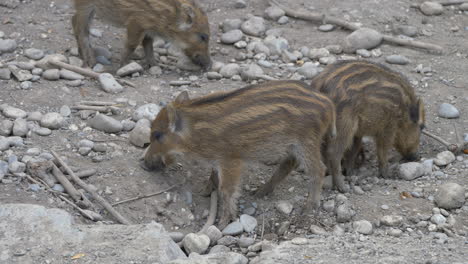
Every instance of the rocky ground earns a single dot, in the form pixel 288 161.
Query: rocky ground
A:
pixel 417 216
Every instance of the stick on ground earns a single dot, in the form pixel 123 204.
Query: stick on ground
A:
pixel 450 146
pixel 144 196
pixel 69 188
pixel 95 195
pixel 322 18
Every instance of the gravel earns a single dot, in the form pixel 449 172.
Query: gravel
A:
pixel 447 110
pixel 397 59
pixel 411 170
pixel 52 120
pixel 109 84
pixel 431 8
pixel 450 196
pixel 105 123
pixel 363 38
pixel 232 36
pixel 444 158
pixel 233 229
pixel 391 220
pixel 197 243
pixel 140 135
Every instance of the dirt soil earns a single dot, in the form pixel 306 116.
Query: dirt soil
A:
pixel 46 25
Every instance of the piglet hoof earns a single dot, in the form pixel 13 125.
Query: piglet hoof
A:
pixel 143 165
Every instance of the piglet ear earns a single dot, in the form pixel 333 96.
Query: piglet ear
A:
pixel 174 117
pixel 185 17
pixel 182 97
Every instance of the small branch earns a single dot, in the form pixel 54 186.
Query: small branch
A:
pixel 62 197
pixel 85 173
pixel 95 195
pixel 102 109
pixel 98 103
pixel 263 226
pixel 144 196
pixel 444 3
pixel 322 18
pixel 451 147
pixel 69 188
pixel 84 71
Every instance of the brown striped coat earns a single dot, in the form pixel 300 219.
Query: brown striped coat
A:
pixel 371 100
pixel 181 21
pixel 257 122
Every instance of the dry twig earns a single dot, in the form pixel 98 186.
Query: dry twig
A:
pixel 455 148
pixel 322 18
pixel 144 196
pixel 95 195
pixel 69 188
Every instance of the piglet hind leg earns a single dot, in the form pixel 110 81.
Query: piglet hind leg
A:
pixel 81 23
pixel 228 189
pixel 316 169
pixel 285 167
pixel 135 35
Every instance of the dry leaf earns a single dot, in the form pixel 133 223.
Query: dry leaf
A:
pixel 78 256
pixel 404 195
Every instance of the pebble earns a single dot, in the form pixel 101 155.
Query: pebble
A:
pixel 231 24
pixel 197 243
pixel 358 190
pixel 213 76
pixel 16 167
pixel 411 170
pixel 232 36
pixel 140 135
pixel 233 229
pixel 26 85
pixel 254 26
pixel 344 213
pixel 69 75
pixel 6 126
pixel 299 241
pixel 427 166
pixel 7 45
pixel 229 70
pixel 409 31
pixel 101 51
pixel 329 205
pixel 129 69
pixel 284 207
pixel 219 249
pixel 51 74
pixel 43 131
pixel 317 230
pixel 283 228
pixel 251 72
pixel 334 49
pixel 109 84
pixel 155 71
pixel 340 198
pixel 105 123
pixel 240 44
pixel 384 207
pixel 450 196
pixel 5 74
pixel 52 120
pixel 248 222
pixel 214 234
pixel 444 158
pixel 34 54
pixel 463 7
pixel 239 4
pixel 397 59
pixel 245 242
pixel 34 116
pixel 147 111
pixel 13 112
pixel 275 44
pixel 58 188
pixel 391 220
pixel 85 143
pixel 177 236
pixel 363 38
pixel 227 241
pixel 318 53
pixel 283 20
pixel 34 187
pixel 394 232
pixel 438 219
pixel 363 227
pixel 65 111
pixel 20 127
pixel 95 32
pixel 249 211
pixel 274 13
pixel 326 27
pixel 441 238
pixel 327 60
pixel 24 65
pixel 84 151
pixel 100 147
pixel 447 110
pixel 431 8
pixel 363 53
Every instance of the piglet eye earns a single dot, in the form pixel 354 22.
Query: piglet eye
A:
pixel 157 135
pixel 203 37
